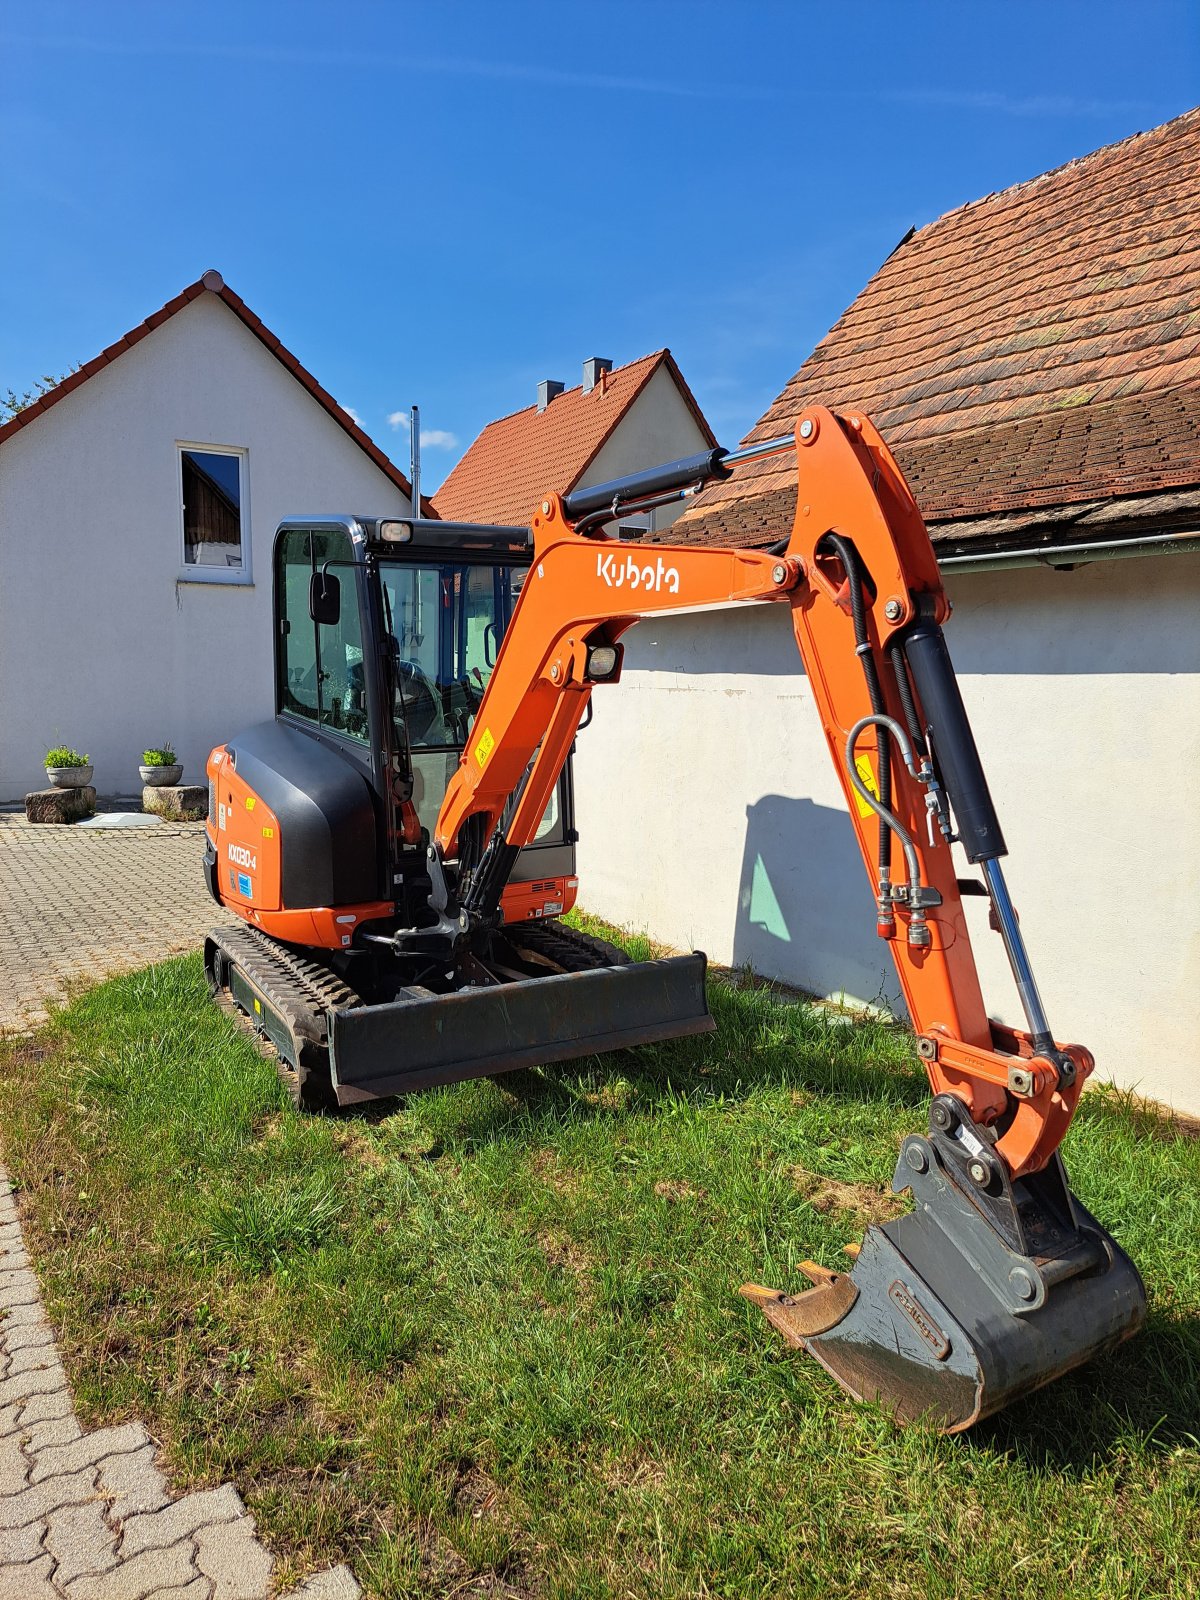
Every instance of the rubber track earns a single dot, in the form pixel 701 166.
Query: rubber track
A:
pixel 301 990
pixel 566 947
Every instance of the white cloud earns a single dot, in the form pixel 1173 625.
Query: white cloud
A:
pixel 432 438
pixel 1007 105
pixel 350 412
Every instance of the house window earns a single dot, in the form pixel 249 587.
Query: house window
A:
pixel 216 545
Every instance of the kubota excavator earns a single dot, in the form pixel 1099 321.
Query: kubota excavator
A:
pixel 398 843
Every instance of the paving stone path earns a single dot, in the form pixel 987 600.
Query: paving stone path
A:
pixel 89 1516
pixel 81 904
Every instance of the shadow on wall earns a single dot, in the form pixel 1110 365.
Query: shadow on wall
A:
pixel 805 910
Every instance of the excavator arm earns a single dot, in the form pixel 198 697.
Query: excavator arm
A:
pixel 862 581
pixel 998 1280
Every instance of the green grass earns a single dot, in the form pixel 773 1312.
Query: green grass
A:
pixel 489 1342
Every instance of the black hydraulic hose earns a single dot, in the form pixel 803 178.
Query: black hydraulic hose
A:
pixel 904 687
pixel 849 557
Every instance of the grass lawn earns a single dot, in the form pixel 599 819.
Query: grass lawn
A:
pixel 488 1343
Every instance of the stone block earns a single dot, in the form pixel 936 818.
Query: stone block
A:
pixel 81 1541
pixel 89 1450
pixel 229 1555
pixel 60 805
pixel 337 1583
pixel 29 1581
pixel 140 1577
pixel 179 802
pixel 132 1482
pixel 181 1519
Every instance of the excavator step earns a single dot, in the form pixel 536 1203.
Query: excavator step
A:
pixel 424 1039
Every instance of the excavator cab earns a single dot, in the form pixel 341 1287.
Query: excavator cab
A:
pixel 387 633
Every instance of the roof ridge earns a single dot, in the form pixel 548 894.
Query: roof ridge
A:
pixel 1054 172
pixel 211 282
pixel 532 406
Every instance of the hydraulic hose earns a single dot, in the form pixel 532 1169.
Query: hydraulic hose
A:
pixel 849 557
pixel 887 818
pixel 904 689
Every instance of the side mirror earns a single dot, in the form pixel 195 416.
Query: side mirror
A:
pixel 325 598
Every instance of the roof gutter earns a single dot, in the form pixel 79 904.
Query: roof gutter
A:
pixel 1073 555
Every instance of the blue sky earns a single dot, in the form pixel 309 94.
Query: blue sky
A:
pixel 444 203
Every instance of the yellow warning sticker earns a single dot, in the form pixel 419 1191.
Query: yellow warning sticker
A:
pixel 484 748
pixel 862 765
pixel 249 802
pixel 258 1006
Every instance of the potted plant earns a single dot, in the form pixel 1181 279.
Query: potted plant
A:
pixel 67 769
pixel 159 767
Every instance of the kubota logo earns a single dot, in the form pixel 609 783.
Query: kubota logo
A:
pixel 243 857
pixel 650 577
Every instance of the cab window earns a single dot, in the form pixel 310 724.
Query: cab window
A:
pixel 321 672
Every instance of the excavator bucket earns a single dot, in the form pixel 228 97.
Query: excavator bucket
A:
pixel 422 1039
pixel 939 1320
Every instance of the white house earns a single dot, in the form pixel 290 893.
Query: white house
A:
pixel 1032 359
pixel 138 501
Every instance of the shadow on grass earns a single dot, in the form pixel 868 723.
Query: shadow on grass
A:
pixel 1144 1396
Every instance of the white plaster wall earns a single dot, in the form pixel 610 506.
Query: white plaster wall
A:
pixel 710 814
pixel 658 427
pixel 100 645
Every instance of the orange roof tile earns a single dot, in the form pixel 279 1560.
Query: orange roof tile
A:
pixel 518 458
pixel 213 283
pixel 1038 347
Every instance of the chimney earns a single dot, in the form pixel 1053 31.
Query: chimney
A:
pixel 549 389
pixel 593 368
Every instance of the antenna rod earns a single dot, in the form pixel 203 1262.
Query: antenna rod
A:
pixel 414 439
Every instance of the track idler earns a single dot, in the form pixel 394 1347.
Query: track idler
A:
pixel 969 1301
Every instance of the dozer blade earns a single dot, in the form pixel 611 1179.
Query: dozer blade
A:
pixel 937 1320
pixel 416 1042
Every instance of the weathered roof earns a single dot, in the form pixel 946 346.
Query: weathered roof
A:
pixel 213 283
pixel 519 457
pixel 1034 349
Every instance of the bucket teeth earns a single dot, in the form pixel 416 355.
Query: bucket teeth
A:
pixel 801 1317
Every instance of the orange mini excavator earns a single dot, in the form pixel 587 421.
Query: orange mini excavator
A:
pixel 398 844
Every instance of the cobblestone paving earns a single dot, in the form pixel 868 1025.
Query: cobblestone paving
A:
pixel 82 904
pixel 88 1516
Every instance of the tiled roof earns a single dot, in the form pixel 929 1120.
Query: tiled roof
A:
pixel 213 283
pixel 519 457
pixel 1036 348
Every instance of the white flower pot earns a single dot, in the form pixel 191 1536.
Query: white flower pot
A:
pixel 69 777
pixel 162 777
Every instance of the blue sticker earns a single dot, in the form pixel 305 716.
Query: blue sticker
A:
pixel 244 885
